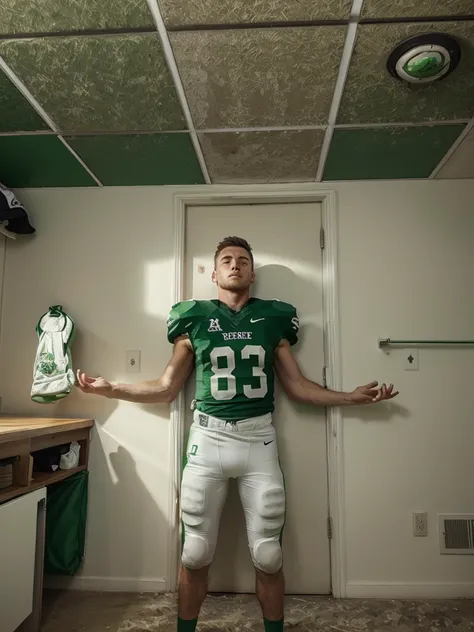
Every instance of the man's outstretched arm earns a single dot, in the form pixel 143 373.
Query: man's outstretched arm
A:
pixel 300 389
pixel 163 390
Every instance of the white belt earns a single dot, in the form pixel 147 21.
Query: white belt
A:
pixel 245 425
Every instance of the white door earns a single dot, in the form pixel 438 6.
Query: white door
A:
pixel 285 240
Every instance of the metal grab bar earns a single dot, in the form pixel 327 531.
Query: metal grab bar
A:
pixel 388 342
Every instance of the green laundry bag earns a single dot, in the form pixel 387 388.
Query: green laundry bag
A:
pixel 66 512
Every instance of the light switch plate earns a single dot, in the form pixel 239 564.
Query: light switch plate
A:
pixel 420 524
pixel 133 362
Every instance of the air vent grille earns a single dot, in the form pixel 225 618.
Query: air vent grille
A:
pixel 457 534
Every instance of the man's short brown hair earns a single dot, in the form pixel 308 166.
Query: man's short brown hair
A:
pixel 237 242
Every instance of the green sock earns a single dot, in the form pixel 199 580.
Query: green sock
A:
pixel 187 625
pixel 273 626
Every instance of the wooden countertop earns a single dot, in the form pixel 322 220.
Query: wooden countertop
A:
pixel 17 427
pixel 22 436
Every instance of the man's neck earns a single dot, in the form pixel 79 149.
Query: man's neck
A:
pixel 234 300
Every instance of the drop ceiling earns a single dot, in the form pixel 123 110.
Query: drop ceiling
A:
pixel 130 92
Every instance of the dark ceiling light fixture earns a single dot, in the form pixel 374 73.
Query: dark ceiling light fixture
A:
pixel 424 58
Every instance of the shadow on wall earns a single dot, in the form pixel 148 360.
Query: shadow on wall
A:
pixel 130 522
pixel 275 281
pixel 126 528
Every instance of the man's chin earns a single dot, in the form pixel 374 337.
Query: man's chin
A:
pixel 235 285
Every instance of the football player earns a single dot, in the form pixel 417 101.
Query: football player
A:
pixel 236 343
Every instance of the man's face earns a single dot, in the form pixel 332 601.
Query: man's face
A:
pixel 233 269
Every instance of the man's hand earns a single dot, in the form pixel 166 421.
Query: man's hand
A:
pixel 161 391
pixel 370 394
pixel 94 385
pixel 301 389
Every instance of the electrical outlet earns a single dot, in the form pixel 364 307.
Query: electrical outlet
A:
pixel 411 360
pixel 133 362
pixel 420 524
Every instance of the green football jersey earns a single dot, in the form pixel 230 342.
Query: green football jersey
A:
pixel 234 352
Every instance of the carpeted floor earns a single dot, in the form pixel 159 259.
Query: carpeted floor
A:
pixel 73 611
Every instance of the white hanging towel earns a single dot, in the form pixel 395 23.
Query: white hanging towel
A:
pixel 53 377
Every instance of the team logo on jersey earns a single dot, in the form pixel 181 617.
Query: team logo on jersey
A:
pixel 214 325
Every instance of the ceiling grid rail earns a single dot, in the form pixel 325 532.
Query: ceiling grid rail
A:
pixel 349 44
pixel 20 86
pixel 173 67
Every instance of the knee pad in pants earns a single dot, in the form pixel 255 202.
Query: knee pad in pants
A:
pixel 196 552
pixel 266 550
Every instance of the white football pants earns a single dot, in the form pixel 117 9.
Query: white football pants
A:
pixel 216 452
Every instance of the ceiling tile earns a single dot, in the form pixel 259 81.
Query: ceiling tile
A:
pixel 461 162
pixel 372 95
pixel 387 153
pixel 246 157
pixel 52 16
pixel 39 161
pixel 113 83
pixel 264 77
pixel 415 8
pixel 16 114
pixel 140 158
pixel 183 12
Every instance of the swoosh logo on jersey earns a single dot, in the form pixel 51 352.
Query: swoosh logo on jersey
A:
pixel 256 320
pixel 268 442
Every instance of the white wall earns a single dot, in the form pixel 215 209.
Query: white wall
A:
pixel 406 261
pixel 106 256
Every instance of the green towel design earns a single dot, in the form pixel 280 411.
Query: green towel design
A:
pixel 53 377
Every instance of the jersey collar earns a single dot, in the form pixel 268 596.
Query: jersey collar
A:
pixel 233 312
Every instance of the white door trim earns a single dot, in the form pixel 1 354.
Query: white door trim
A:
pixel 274 194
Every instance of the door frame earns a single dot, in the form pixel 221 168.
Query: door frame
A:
pixel 212 195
